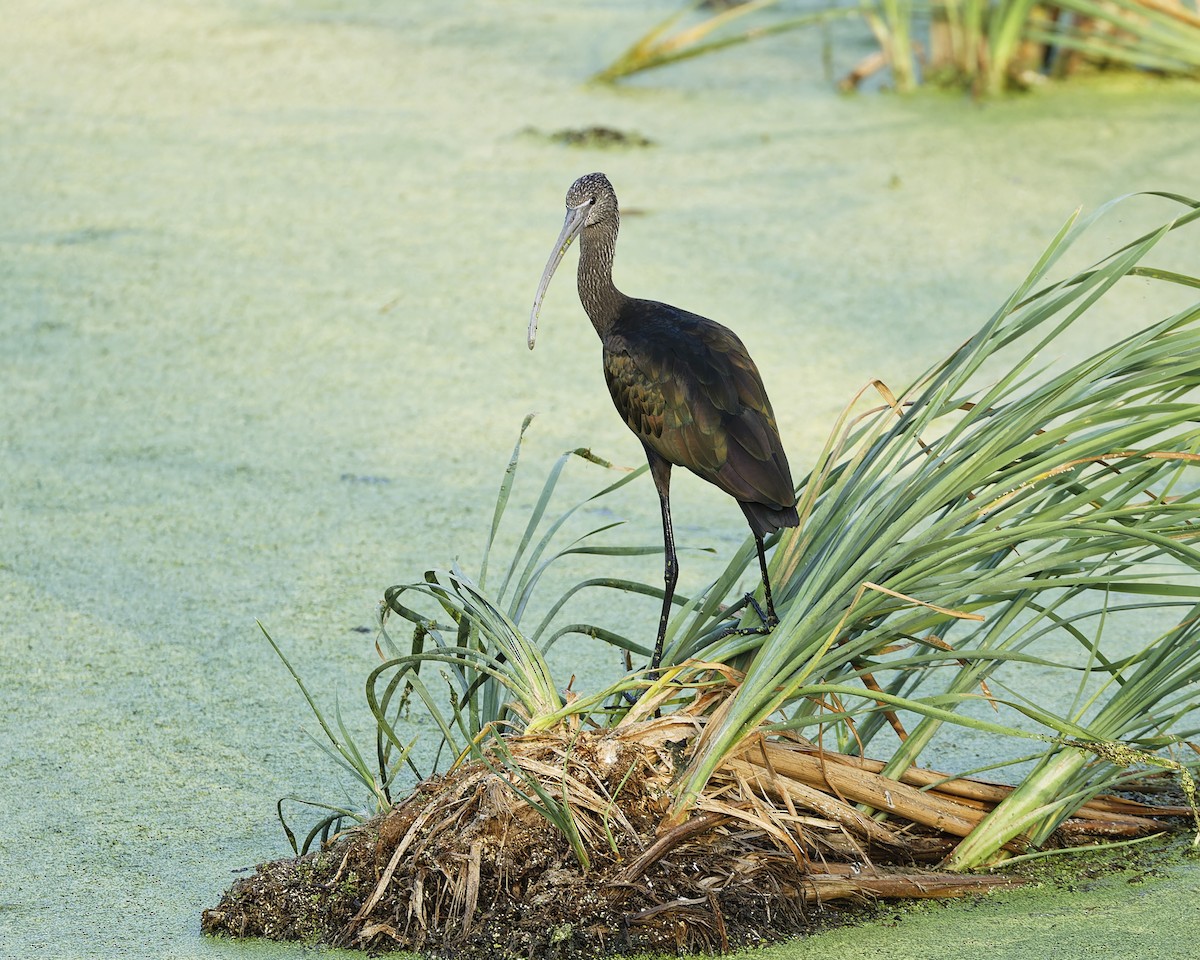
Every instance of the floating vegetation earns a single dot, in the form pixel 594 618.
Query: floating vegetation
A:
pixel 594 137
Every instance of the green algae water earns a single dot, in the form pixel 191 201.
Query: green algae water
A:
pixel 265 271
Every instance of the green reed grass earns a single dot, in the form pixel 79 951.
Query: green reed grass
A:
pixel 338 744
pixel 493 659
pixel 983 505
pixel 660 47
pixel 472 662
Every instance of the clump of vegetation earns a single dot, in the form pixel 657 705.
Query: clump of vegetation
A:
pixel 985 45
pixel 1003 514
pixel 595 137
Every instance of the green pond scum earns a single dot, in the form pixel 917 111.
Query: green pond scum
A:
pixel 250 248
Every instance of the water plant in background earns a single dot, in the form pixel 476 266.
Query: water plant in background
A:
pixel 660 47
pixel 1006 513
pixel 984 45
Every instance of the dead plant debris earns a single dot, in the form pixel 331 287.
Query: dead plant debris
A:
pixel 781 843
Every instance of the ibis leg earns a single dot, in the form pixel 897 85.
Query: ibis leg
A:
pixel 660 470
pixel 670 576
pixel 770 620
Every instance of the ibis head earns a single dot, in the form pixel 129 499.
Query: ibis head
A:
pixel 591 204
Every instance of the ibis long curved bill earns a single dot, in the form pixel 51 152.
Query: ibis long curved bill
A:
pixel 574 223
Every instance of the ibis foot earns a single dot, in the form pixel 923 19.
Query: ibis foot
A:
pixel 768 617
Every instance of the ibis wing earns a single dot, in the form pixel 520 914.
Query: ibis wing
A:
pixel 688 388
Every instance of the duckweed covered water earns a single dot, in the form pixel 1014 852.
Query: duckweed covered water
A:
pixel 265 271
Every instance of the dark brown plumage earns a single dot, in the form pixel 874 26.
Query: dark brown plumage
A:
pixel 684 384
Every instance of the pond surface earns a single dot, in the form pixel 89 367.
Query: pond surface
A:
pixel 265 271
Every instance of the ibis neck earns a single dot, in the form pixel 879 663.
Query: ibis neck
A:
pixel 600 298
